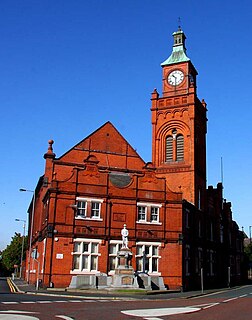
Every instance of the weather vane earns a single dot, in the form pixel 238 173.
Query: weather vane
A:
pixel 179 23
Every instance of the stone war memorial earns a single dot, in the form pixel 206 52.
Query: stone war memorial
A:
pixel 124 277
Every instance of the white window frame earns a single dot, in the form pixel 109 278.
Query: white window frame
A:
pixel 89 254
pixel 150 256
pixel 95 212
pixel 82 207
pixel 155 214
pixel 113 255
pixel 148 207
pixel 89 208
pixel 142 213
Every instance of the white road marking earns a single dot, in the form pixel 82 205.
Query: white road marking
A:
pixel 64 317
pixel 211 305
pixel 159 312
pixel 8 316
pixel 44 301
pixel 9 302
pixel 17 311
pixel 27 302
pixel 242 296
pixel 231 299
pixel 201 305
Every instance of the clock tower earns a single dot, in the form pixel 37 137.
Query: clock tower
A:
pixel 179 127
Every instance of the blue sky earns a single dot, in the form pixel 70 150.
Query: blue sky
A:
pixel 67 67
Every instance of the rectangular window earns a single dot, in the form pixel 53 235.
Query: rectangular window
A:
pixel 221 233
pixel 82 208
pixel 114 247
pixel 88 208
pixel 187 213
pixel 148 213
pixel 154 264
pixel 142 213
pixel 94 262
pixel 154 214
pixel 85 255
pixel 187 260
pixel 211 262
pixel 211 231
pixel 200 229
pixel 95 209
pixel 199 260
pixel 147 257
pixel 199 199
pixel 77 247
pixel 76 262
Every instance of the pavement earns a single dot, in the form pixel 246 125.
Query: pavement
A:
pixel 21 286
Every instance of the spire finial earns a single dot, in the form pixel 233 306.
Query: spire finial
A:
pixel 179 24
pixel 50 153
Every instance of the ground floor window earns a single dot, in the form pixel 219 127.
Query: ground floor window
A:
pixel 199 260
pixel 187 260
pixel 114 247
pixel 147 257
pixel 85 255
pixel 211 262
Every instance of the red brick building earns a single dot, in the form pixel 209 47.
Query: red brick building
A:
pixel 178 229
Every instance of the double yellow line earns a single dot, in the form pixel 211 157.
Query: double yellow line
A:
pixel 12 286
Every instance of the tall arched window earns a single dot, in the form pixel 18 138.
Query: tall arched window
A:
pixel 169 149
pixel 179 147
pixel 174 147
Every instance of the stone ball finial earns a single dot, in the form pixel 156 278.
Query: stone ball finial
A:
pixel 50 142
pixel 50 153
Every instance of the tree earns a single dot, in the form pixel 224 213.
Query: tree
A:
pixel 248 252
pixel 12 254
pixel 248 259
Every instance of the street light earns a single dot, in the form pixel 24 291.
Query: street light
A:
pixel 22 251
pixel 31 229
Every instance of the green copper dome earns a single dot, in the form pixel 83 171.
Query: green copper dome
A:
pixel 179 49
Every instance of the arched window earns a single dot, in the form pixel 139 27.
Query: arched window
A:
pixel 169 149
pixel 174 147
pixel 179 147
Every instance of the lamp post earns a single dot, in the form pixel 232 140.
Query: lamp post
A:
pixel 22 251
pixel 30 230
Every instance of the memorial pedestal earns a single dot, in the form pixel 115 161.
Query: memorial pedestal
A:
pixel 124 274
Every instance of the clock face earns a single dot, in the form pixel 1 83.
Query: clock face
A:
pixel 175 77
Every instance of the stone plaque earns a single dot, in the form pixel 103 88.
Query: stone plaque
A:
pixel 119 217
pixel 126 280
